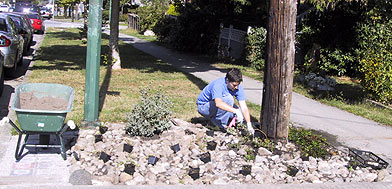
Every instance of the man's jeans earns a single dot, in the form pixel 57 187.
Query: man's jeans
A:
pixel 217 116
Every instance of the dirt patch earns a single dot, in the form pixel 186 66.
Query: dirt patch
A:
pixel 29 101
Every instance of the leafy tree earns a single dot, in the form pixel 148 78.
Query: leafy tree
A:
pixel 151 12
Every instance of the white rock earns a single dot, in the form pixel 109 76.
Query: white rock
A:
pixel 232 154
pixel 275 158
pixel 317 181
pixel 343 172
pixel 149 33
pixel 370 177
pixel 257 169
pixel 323 166
pixel 260 159
pixel 263 152
pixel 157 169
pixel 125 177
pixel 220 181
pixel 382 174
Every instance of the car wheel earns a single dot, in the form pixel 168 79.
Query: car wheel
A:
pixel 2 81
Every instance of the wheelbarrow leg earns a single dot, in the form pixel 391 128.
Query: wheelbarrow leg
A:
pixel 17 156
pixel 60 138
pixel 18 152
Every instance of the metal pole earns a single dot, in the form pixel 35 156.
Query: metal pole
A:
pixel 91 97
pixel 54 9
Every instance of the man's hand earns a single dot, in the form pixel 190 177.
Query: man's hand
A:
pixel 239 115
pixel 250 128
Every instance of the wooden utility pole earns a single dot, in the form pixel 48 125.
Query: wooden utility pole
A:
pixel 279 70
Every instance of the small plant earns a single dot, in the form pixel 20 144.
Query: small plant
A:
pixel 234 146
pixel 231 130
pixel 150 116
pixel 250 155
pixel 257 142
pixel 310 144
pixel 265 143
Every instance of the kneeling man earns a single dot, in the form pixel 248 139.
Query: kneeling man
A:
pixel 216 101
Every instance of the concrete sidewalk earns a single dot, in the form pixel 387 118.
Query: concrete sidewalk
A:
pixel 348 129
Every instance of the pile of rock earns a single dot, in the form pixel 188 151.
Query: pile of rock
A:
pixel 182 155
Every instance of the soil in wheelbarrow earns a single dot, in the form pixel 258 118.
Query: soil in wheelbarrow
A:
pixel 29 101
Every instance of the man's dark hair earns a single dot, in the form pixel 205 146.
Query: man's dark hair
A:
pixel 234 75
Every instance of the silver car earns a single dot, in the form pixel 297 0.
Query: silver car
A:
pixel 11 44
pixel 24 29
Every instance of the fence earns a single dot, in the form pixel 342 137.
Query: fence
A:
pixel 231 42
pixel 133 21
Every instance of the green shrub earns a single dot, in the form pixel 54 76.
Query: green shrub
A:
pixel 326 40
pixel 328 61
pixel 150 15
pixel 123 18
pixel 375 55
pixel 308 143
pixel 256 47
pixel 173 10
pixel 150 116
pixel 163 29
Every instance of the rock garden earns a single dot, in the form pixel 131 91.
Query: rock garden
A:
pixel 151 148
pixel 192 154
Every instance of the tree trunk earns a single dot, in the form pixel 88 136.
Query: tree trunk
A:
pixel 72 12
pixel 278 73
pixel 113 40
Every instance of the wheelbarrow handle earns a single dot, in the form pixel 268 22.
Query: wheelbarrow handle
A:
pixel 8 120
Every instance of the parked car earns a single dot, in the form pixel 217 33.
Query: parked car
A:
pixel 1 72
pixel 4 8
pixel 24 30
pixel 46 13
pixel 37 21
pixel 26 7
pixel 27 20
pixel 11 44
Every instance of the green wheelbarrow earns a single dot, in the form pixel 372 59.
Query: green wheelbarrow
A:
pixel 35 119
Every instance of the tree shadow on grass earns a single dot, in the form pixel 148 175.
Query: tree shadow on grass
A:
pixel 351 94
pixel 64 35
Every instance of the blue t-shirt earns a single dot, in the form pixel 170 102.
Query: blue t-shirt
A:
pixel 219 89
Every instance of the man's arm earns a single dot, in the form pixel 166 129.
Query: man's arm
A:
pixel 245 110
pixel 223 105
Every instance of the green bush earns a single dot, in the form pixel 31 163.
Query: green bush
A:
pixel 326 40
pixel 123 18
pixel 173 10
pixel 150 15
pixel 256 47
pixel 328 61
pixel 375 55
pixel 163 29
pixel 194 30
pixel 309 144
pixel 150 116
